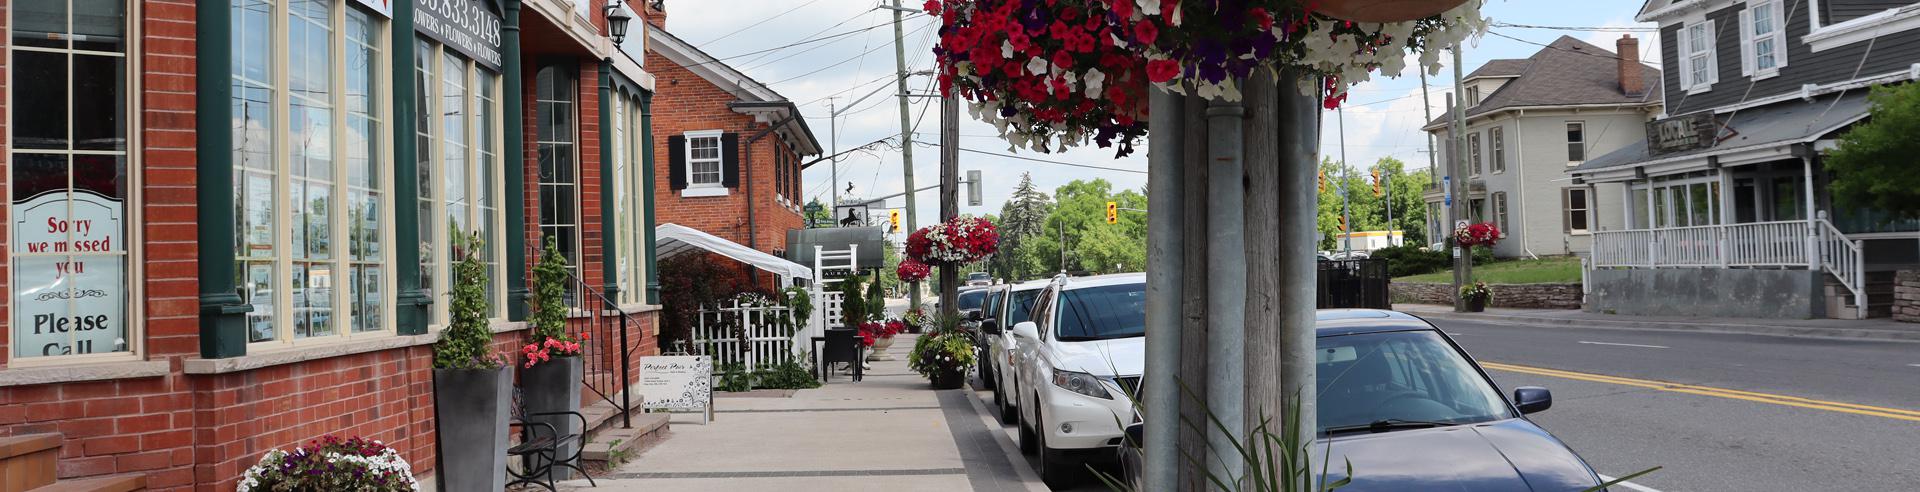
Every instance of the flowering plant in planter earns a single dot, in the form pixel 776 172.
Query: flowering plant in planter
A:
pixel 331 463
pixel 916 319
pixel 943 357
pixel 874 331
pixel 963 240
pixel 911 270
pixel 549 320
pixel 1054 74
pixel 1481 234
pixel 545 350
pixel 1478 292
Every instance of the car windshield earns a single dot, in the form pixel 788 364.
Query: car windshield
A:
pixel 1098 313
pixel 1022 306
pixel 978 276
pixel 1411 376
pixel 971 299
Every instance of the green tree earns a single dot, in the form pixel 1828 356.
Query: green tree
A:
pixel 1022 217
pixel 1092 245
pixel 823 217
pixel 1872 165
pixel 1368 212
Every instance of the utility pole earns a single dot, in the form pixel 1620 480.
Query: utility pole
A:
pixel 833 133
pixel 906 135
pixel 1462 258
pixel 949 198
pixel 1346 178
pixel 1063 247
pixel 1386 187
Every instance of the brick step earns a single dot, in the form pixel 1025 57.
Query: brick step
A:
pixel 615 444
pixel 28 461
pixel 111 483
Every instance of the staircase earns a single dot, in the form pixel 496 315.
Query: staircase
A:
pixel 1879 292
pixel 28 464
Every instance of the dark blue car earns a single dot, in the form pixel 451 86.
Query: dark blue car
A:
pixel 1411 411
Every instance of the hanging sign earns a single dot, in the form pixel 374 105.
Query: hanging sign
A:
pixel 1681 133
pixel 382 7
pixel 468 26
pixel 69 292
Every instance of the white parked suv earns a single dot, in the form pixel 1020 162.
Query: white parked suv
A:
pixel 1080 359
pixel 1007 305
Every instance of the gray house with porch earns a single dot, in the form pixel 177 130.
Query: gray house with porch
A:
pixel 1726 210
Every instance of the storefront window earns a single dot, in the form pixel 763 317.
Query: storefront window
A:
pixel 458 140
pixel 559 203
pixel 320 179
pixel 69 180
pixel 630 190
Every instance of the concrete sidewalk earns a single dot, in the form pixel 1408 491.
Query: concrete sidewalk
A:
pixel 889 432
pixel 1869 329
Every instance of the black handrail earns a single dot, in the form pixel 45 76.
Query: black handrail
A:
pixel 600 323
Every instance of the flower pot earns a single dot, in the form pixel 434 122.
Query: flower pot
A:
pixel 1475 304
pixel 1385 10
pixel 949 378
pixel 470 407
pixel 880 350
pixel 554 386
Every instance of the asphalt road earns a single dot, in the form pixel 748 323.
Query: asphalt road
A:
pixel 1719 411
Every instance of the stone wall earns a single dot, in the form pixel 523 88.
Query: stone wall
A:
pixel 1712 292
pixel 1906 296
pixel 1535 296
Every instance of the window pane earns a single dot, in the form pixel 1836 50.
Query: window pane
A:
pixel 40 85
pixel 101 80
pixel 256 285
pixel 99 25
pixel 1639 207
pixel 1699 204
pixel 41 23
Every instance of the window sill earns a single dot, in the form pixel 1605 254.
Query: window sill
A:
pixel 1700 89
pixel 1883 23
pixel 639 308
pixel 1766 74
pixel 703 192
pixel 323 351
pixel 73 373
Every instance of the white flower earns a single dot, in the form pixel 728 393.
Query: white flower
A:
pixel 1037 66
pixel 1094 81
pixel 1006 50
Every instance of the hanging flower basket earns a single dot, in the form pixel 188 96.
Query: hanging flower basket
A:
pixel 911 270
pixel 1481 234
pixel 956 242
pixel 1055 74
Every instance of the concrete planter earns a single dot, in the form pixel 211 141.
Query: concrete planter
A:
pixel 554 386
pixel 880 350
pixel 471 407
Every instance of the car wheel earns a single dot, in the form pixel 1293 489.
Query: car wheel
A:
pixel 1029 443
pixel 1005 404
pixel 987 377
pixel 1053 469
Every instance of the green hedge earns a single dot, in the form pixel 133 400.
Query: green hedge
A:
pixel 1405 261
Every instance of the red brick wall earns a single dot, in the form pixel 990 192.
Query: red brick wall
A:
pixel 684 102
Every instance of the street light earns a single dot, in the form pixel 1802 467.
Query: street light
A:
pixel 617 19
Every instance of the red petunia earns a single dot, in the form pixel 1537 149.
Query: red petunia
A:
pixel 1062 60
pixel 1160 71
pixel 1146 31
pixel 1261 16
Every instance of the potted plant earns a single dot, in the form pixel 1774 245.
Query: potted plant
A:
pixel 331 463
pixel 1477 296
pixel 471 386
pixel 943 357
pixel 879 335
pixel 550 376
pixel 962 240
pixel 916 321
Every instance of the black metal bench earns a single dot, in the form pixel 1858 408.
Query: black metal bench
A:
pixel 539 450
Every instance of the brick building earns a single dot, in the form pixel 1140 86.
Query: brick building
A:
pixel 731 150
pixel 250 249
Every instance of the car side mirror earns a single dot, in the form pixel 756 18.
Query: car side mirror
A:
pixel 1027 330
pixel 990 326
pixel 1532 399
pixel 1136 435
pixel 976 315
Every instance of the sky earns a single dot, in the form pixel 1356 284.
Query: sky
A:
pixel 1382 117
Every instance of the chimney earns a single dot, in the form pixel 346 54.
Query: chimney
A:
pixel 1632 83
pixel 654 12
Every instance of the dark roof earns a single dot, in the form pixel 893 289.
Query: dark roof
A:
pixel 1787 122
pixel 1565 73
pixel 1500 68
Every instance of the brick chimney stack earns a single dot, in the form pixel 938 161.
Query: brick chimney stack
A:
pixel 1632 82
pixel 653 11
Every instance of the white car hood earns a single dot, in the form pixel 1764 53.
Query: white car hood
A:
pixel 1116 357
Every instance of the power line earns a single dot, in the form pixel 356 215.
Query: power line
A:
pixel 1580 28
pixel 762 21
pixel 1556 48
pixel 1011 156
pixel 793 44
pixel 842 62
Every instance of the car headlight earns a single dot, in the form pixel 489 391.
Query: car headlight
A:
pixel 1081 383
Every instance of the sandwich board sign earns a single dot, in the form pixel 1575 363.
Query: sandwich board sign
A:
pixel 677 382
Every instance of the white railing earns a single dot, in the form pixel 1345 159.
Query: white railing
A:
pixel 1623 248
pixel 1687 246
pixel 1757 244
pixel 1782 243
pixel 1841 257
pixel 751 335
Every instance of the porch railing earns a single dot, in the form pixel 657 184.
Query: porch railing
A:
pixel 1842 258
pixel 1758 244
pixel 750 335
pixel 606 354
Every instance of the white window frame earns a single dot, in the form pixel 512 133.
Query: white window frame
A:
pixel 1498 204
pixel 1708 55
pixel 1582 143
pixel 282 179
pixel 1497 137
pixel 442 260
pixel 134 313
pixel 1473 153
pixel 1751 39
pixel 630 189
pixel 719 186
pixel 1678 200
pixel 1585 209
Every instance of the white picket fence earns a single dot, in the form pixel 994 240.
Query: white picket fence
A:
pixel 754 336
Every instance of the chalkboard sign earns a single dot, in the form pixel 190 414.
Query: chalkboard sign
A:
pixel 677 382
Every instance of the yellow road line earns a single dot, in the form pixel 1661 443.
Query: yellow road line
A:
pixel 1783 400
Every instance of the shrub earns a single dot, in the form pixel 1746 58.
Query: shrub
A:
pixel 690 281
pixel 786 375
pixel 466 343
pixel 1412 260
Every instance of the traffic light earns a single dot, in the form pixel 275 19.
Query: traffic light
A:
pixel 893 217
pixel 1113 212
pixel 1343 223
pixel 1376 181
pixel 1323 181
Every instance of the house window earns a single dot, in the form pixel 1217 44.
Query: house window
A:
pixel 1682 202
pixel 1473 96
pixel 559 201
pixel 703 159
pixel 1499 137
pixel 1698 65
pixel 1500 212
pixel 1478 209
pixel 1473 152
pixel 308 167
pixel 1574 202
pixel 629 209
pixel 460 109
pixel 1576 142
pixel 1762 39
pixel 69 180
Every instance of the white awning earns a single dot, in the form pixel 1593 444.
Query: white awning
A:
pixel 672 240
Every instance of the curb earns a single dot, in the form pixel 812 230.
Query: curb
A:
pixel 1737 329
